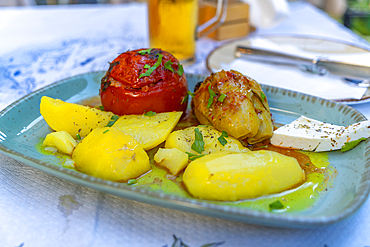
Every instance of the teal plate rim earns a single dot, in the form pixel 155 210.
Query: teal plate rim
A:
pixel 203 207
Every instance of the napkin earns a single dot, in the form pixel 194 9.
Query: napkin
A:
pixel 294 78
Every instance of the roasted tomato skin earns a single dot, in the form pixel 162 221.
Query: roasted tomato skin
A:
pixel 123 91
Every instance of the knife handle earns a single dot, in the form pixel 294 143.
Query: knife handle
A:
pixel 262 55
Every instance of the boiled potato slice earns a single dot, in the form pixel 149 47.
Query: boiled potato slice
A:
pixel 173 159
pixel 111 154
pixel 230 176
pixel 183 140
pixel 61 140
pixel 73 118
pixel 150 131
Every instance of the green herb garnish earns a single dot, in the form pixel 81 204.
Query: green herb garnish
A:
pixel 263 96
pixel 191 94
pixel 78 136
pixel 168 65
pixel 143 52
pixel 276 205
pixel 105 131
pixel 146 66
pixel 151 69
pixel 186 98
pixel 101 107
pixel 194 156
pixel 198 144
pixel 222 139
pixel 149 113
pixel 222 97
pixel 212 95
pixel 114 118
pixel 131 181
pixel 180 70
pixel 349 145
pixel 263 146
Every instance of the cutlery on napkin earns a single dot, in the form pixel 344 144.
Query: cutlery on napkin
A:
pixel 329 86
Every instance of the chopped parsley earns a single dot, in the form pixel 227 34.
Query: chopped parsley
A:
pixel 168 65
pixel 222 97
pixel 78 136
pixel 131 181
pixel 146 66
pixel 263 96
pixel 276 205
pixel 198 144
pixel 149 113
pixel 101 108
pixel 143 52
pixel 222 139
pixel 212 95
pixel 349 145
pixel 151 69
pixel 186 98
pixel 105 131
pixel 191 94
pixel 180 70
pixel 194 156
pixel 114 118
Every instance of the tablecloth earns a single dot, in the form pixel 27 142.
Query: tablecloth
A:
pixel 43 44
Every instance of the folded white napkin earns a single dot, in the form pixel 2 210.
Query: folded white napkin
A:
pixel 293 78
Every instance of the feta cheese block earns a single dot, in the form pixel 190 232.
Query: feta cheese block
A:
pixel 313 135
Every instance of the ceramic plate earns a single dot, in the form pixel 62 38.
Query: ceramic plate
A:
pixel 316 46
pixel 21 128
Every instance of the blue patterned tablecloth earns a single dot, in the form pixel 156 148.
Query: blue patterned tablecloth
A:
pixel 41 45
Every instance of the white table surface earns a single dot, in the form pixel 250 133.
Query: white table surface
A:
pixel 40 45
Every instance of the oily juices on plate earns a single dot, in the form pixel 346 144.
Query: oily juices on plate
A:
pixel 294 199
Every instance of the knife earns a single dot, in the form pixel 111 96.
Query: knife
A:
pixel 355 71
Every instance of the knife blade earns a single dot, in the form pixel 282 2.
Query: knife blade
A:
pixel 334 67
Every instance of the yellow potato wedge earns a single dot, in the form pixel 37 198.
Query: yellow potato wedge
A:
pixel 111 154
pixel 184 139
pixel 173 159
pixel 230 176
pixel 73 118
pixel 150 131
pixel 61 140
